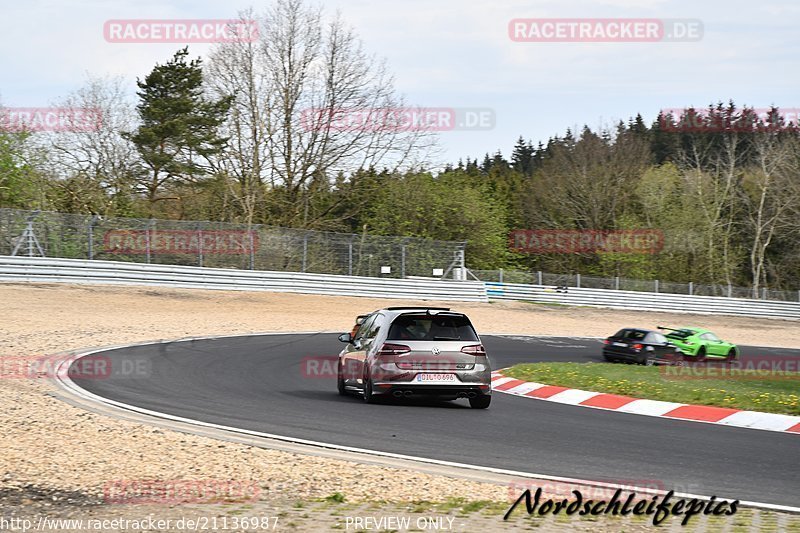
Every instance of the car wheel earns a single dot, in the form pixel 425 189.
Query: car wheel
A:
pixel 340 382
pixel 609 358
pixel 732 356
pixel 646 359
pixel 701 354
pixel 369 396
pixel 480 402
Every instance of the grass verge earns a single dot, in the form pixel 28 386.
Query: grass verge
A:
pixel 776 395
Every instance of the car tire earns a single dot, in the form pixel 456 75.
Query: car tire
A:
pixel 649 359
pixel 480 402
pixel 340 382
pixel 732 356
pixel 701 354
pixel 369 396
pixel 609 358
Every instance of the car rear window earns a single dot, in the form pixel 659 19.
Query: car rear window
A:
pixel 633 334
pixel 424 327
pixel 656 338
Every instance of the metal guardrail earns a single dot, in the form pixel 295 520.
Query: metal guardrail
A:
pixel 617 283
pixel 646 301
pixel 49 270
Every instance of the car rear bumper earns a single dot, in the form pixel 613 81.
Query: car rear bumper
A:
pixel 461 390
pixel 473 381
pixel 628 356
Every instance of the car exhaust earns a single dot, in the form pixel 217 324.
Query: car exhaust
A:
pixel 408 393
pixel 472 394
pixel 461 395
pixel 397 393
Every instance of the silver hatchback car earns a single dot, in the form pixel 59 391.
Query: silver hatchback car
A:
pixel 408 351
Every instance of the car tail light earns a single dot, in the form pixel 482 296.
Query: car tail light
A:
pixel 638 346
pixel 606 341
pixel 476 349
pixel 393 349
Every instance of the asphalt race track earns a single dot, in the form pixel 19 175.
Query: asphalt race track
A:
pixel 256 383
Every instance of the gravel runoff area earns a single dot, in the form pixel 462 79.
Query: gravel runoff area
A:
pixel 55 459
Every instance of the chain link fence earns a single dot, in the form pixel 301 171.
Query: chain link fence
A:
pixel 626 284
pixel 225 245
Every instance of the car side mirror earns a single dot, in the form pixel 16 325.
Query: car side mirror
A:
pixel 345 337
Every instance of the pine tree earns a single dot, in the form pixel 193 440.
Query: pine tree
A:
pixel 179 129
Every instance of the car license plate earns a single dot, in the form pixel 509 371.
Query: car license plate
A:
pixel 620 344
pixel 435 377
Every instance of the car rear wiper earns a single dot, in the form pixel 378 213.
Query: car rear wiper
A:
pixel 447 338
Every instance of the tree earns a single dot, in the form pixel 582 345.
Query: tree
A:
pixel 522 157
pixel 420 205
pixel 21 186
pixel 295 91
pixel 179 125
pixel 770 192
pixel 96 167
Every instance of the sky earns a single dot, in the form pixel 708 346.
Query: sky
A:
pixel 455 54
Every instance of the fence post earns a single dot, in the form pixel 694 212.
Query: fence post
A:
pixel 92 222
pixel 402 261
pixel 616 283
pixel 252 250
pixel 730 290
pixel 539 273
pixel 350 256
pixel 500 276
pixel 199 245
pixel 147 239
pixel 305 250
pixel 656 285
pixel 691 287
pixel 578 280
pixel 763 293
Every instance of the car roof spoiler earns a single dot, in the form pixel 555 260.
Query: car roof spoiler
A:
pixel 416 308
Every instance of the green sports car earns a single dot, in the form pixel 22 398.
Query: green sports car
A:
pixel 700 344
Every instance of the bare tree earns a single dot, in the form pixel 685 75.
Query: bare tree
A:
pixel 91 148
pixel 235 69
pixel 770 192
pixel 293 88
pixel 711 160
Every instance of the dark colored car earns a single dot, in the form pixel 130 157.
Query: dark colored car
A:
pixel 642 346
